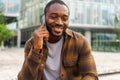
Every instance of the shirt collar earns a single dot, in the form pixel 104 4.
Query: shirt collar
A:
pixel 69 32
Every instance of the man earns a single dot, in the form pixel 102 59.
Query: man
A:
pixel 55 52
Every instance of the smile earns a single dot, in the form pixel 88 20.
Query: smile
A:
pixel 58 29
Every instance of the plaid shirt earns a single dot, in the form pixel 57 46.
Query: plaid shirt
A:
pixel 77 62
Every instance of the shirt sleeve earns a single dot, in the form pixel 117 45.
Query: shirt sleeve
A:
pixel 30 66
pixel 87 66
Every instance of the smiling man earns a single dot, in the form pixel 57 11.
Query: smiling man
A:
pixel 56 52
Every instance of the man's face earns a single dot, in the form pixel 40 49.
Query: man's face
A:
pixel 57 19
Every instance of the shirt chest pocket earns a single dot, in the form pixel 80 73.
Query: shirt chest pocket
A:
pixel 70 60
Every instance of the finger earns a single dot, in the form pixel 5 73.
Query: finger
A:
pixel 42 25
pixel 42 36
pixel 42 33
pixel 46 37
pixel 42 30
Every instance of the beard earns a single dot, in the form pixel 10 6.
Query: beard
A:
pixel 56 30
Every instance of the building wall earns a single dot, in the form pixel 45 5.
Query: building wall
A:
pixel 31 11
pixel 83 12
pixel 11 8
pixel 93 18
pixel 94 12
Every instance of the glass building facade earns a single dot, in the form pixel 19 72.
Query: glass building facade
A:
pixel 93 18
pixel 10 9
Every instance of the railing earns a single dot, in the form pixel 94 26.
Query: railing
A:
pixel 106 45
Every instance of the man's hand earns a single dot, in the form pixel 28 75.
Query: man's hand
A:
pixel 39 35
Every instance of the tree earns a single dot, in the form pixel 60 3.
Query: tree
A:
pixel 117 26
pixel 2 19
pixel 5 33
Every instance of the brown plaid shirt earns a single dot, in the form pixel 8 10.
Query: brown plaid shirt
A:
pixel 77 62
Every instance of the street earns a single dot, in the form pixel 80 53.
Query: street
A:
pixel 11 61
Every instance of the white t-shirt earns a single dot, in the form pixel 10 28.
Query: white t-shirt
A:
pixel 52 69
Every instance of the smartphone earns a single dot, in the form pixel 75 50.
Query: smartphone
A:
pixel 42 19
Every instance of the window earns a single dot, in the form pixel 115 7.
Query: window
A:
pixel 118 1
pixel 96 14
pixel 97 0
pixel 105 15
pixel 104 1
pixel 72 11
pixel 88 14
pixel 111 14
pixel 111 1
pixel 80 13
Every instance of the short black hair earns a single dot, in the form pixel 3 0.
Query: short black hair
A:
pixel 53 2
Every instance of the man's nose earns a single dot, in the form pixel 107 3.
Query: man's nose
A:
pixel 59 21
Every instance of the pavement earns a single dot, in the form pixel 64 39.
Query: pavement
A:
pixel 108 65
pixel 11 60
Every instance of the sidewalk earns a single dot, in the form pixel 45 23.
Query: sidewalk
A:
pixel 107 62
pixel 108 65
pixel 11 61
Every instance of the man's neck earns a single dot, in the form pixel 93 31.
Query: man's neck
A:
pixel 54 39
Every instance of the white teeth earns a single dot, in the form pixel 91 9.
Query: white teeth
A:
pixel 59 27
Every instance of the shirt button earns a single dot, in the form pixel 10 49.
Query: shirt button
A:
pixel 62 75
pixel 41 54
pixel 42 65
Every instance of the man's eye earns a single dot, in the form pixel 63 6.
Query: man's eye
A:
pixel 64 19
pixel 53 17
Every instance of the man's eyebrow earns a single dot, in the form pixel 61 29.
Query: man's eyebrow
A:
pixel 65 15
pixel 53 13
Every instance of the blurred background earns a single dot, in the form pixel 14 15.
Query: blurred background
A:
pixel 98 20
